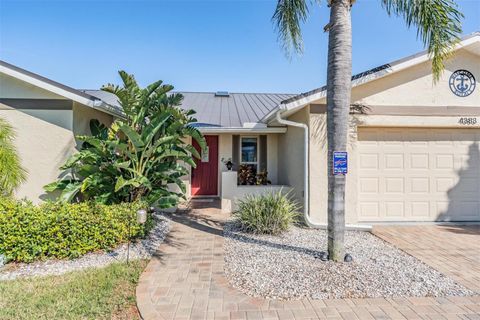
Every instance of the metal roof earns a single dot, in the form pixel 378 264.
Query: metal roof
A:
pixel 219 111
pixel 107 97
pixel 354 77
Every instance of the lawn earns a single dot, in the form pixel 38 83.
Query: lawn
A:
pixel 105 293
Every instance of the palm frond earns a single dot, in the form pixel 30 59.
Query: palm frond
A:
pixel 438 24
pixel 11 172
pixel 288 17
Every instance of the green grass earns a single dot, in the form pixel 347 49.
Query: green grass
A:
pixel 105 293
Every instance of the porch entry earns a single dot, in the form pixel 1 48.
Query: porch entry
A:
pixel 205 175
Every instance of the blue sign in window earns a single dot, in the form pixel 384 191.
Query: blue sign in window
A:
pixel 340 162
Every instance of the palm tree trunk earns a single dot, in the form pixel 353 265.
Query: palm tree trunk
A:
pixel 338 101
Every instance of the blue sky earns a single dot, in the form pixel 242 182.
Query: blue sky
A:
pixel 194 45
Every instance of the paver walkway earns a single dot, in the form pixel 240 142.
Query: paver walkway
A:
pixel 186 281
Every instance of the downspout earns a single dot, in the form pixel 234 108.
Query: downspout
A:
pixel 306 171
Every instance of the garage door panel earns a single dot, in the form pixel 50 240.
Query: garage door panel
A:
pixel 418 174
pixel 369 161
pixel 395 185
pixel 444 184
pixel 419 161
pixel 419 185
pixel 420 209
pixel 443 162
pixel 370 210
pixel 467 187
pixel 395 209
pixel 394 161
pixel 369 185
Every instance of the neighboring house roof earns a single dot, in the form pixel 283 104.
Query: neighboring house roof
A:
pixel 58 88
pixel 231 111
pixel 470 42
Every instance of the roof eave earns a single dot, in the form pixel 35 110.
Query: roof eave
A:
pixel 294 104
pixel 241 130
pixel 58 88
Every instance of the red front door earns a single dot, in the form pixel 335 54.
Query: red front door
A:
pixel 205 175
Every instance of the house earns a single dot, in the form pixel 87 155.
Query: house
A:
pixel 413 153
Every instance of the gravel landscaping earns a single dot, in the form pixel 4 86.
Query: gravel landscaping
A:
pixel 140 249
pixel 289 267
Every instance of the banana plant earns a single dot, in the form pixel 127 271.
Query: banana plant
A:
pixel 138 157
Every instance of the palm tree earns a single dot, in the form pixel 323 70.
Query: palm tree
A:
pixel 11 172
pixel 438 25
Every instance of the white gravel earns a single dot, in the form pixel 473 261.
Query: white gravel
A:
pixel 140 249
pixel 287 267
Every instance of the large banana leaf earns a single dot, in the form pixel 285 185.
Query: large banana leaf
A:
pixel 140 155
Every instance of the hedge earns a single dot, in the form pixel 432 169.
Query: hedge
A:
pixel 31 232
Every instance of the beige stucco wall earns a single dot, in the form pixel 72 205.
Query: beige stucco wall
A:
pixel 290 156
pixel 414 86
pixel 318 168
pixel 319 171
pixel 43 146
pixel 16 89
pixel 82 116
pixel 232 192
pixel 45 138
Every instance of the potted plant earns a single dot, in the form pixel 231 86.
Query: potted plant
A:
pixel 246 175
pixel 262 178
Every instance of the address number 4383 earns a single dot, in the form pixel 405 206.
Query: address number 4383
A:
pixel 468 121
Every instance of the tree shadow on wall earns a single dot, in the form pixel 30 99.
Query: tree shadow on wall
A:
pixel 460 205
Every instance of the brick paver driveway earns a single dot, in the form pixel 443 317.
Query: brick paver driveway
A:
pixel 186 281
pixel 452 250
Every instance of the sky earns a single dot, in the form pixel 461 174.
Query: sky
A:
pixel 222 45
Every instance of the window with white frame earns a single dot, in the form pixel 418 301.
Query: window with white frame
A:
pixel 249 152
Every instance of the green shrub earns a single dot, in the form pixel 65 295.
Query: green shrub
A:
pixel 61 230
pixel 269 213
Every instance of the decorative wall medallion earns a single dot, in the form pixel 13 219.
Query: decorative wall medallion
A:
pixel 462 83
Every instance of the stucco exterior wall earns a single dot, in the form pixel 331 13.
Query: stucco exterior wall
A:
pixel 290 156
pixel 45 139
pixel 45 134
pixel 13 88
pixel 319 170
pixel 43 146
pixel 414 86
pixel 82 116
pixel 318 167
pixel 232 193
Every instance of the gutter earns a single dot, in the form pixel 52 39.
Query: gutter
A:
pixel 240 130
pixel 306 170
pixel 306 175
pixel 100 105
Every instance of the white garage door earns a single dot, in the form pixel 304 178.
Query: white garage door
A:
pixel 409 174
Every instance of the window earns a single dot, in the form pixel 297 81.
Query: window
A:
pixel 249 152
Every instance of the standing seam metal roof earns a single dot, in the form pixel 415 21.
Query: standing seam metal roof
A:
pixel 232 111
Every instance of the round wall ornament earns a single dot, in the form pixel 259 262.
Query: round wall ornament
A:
pixel 462 83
